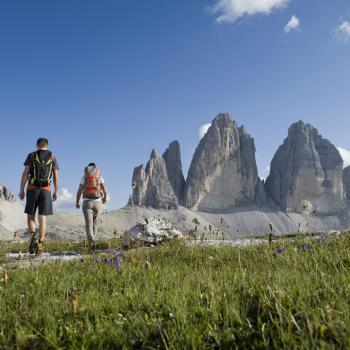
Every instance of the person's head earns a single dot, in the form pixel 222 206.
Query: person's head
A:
pixel 91 167
pixel 42 143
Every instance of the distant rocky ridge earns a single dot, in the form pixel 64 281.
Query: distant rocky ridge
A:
pixel 12 216
pixel 306 174
pixel 5 194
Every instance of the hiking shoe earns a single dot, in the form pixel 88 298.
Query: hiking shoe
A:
pixel 32 243
pixel 39 248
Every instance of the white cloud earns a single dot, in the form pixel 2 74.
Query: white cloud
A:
pixel 231 10
pixel 343 31
pixel 65 200
pixel 345 154
pixel 293 24
pixel 265 173
pixel 203 130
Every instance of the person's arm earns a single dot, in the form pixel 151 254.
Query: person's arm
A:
pixel 104 191
pixel 79 193
pixel 24 179
pixel 55 182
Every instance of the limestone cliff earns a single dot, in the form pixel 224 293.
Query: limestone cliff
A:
pixel 172 157
pixel 306 173
pixel 151 186
pixel 223 172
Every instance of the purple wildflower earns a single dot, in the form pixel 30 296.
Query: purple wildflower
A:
pixel 307 246
pixel 279 250
pixel 115 251
pixel 107 260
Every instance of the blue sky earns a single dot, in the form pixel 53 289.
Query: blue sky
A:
pixel 109 80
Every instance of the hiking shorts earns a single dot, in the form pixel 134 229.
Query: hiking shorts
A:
pixel 39 199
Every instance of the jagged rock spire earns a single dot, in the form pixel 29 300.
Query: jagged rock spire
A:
pixel 151 186
pixel 172 157
pixel 223 172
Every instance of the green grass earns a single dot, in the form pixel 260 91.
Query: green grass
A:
pixel 180 297
pixel 56 246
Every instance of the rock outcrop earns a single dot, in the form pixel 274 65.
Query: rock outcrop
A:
pixel 12 217
pixel 306 173
pixel 154 230
pixel 223 172
pixel 5 194
pixel 346 181
pixel 151 186
pixel 172 157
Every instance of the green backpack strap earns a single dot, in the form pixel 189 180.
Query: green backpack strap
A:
pixel 37 163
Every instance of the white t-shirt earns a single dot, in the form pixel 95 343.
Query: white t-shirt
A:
pixel 82 182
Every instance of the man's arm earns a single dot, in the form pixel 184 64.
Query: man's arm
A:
pixel 55 182
pixel 104 191
pixel 79 193
pixel 24 179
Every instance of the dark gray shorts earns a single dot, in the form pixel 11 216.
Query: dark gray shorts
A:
pixel 39 199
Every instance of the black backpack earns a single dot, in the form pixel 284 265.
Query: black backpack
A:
pixel 41 168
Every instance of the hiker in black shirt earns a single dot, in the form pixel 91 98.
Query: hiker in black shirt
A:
pixel 39 167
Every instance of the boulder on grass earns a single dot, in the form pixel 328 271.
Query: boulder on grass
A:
pixel 151 231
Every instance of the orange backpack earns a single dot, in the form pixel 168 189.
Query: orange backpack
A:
pixel 92 185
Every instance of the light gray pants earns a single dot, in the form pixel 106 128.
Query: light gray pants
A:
pixel 91 210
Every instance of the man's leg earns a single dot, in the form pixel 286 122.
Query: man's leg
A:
pixel 89 220
pixel 31 223
pixel 31 229
pixel 30 209
pixel 45 208
pixel 42 227
pixel 97 212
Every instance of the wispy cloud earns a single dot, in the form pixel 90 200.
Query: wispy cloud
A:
pixel 231 10
pixel 345 154
pixel 342 31
pixel 65 200
pixel 203 130
pixel 293 24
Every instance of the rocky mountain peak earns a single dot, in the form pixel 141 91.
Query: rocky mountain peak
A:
pixel 154 154
pixel 151 187
pixel 223 120
pixel 306 172
pixel 223 172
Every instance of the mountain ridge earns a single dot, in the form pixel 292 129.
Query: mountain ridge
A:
pixel 306 173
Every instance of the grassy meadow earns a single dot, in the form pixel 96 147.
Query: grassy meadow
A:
pixel 286 295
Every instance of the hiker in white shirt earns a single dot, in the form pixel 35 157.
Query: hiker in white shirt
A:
pixel 93 188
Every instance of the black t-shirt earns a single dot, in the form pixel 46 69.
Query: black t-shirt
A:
pixel 42 155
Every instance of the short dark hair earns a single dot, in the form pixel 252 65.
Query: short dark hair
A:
pixel 91 164
pixel 42 142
